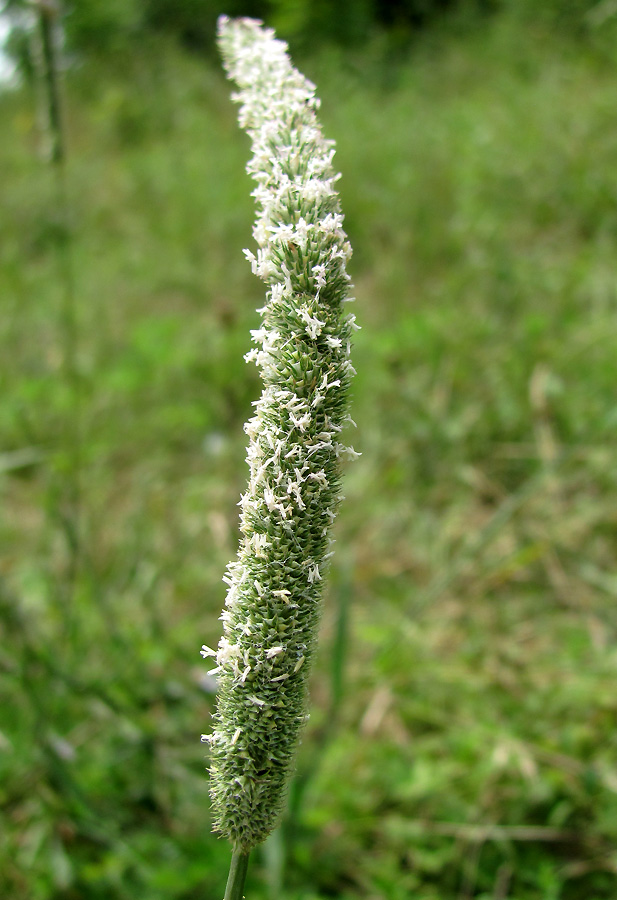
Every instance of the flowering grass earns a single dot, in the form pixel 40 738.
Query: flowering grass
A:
pixel 303 351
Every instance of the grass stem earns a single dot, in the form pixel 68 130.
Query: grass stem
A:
pixel 237 876
pixel 69 501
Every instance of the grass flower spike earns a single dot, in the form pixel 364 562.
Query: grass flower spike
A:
pixel 294 453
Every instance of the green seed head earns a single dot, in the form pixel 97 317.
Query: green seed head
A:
pixel 294 453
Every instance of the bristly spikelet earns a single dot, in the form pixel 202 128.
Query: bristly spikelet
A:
pixel 303 349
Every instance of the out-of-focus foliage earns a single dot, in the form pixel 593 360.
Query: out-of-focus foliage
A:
pixel 104 27
pixel 462 742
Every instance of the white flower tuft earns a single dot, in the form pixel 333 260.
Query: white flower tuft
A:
pixel 303 350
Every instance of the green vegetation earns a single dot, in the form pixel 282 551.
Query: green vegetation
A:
pixel 462 742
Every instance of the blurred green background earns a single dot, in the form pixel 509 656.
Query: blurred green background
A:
pixel 462 741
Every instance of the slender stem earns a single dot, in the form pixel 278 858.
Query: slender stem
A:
pixel 237 874
pixel 69 500
pixel 48 13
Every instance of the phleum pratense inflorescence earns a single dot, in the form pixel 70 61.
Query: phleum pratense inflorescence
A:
pixel 303 350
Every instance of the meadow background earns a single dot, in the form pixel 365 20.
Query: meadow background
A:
pixel 463 740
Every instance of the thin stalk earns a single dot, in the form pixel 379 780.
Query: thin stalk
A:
pixel 237 875
pixel 69 506
pixel 47 22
